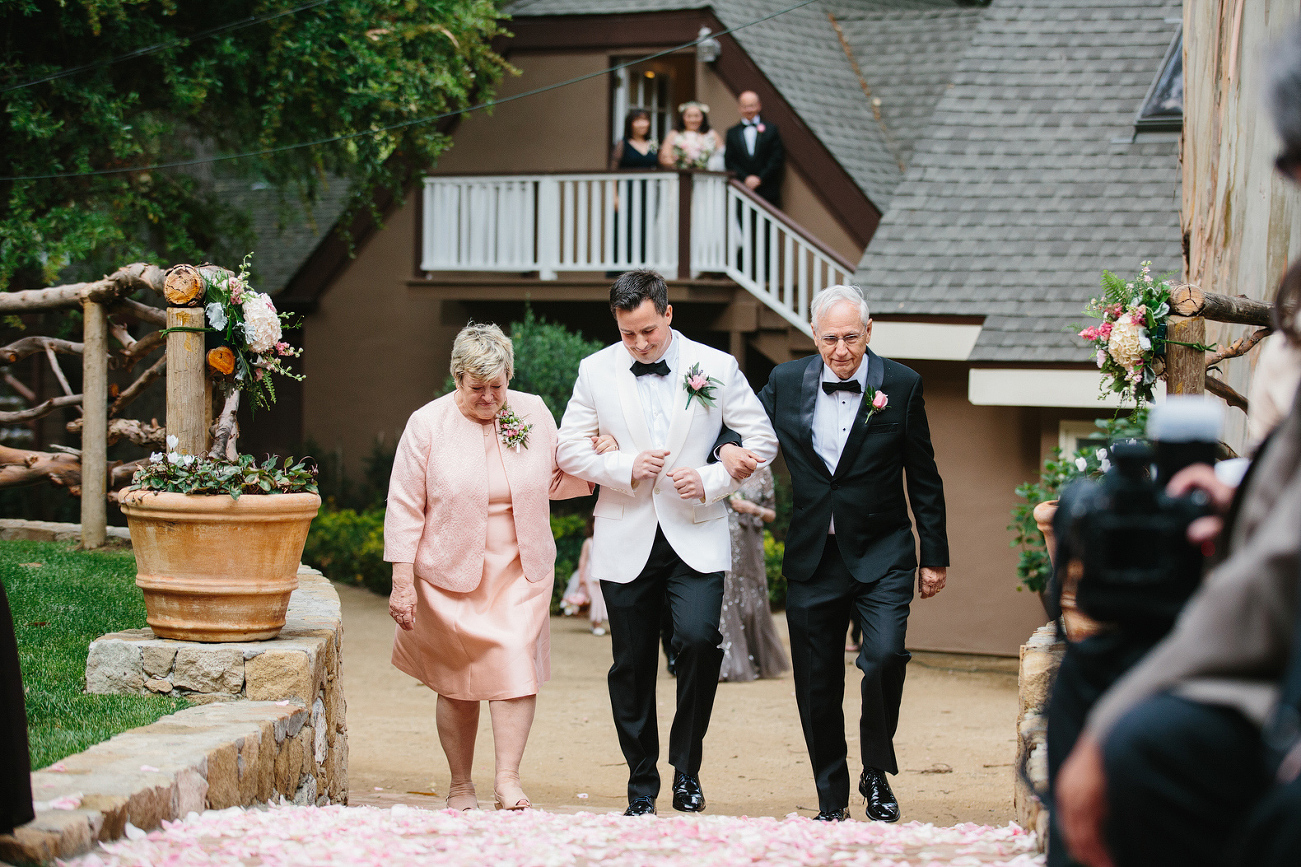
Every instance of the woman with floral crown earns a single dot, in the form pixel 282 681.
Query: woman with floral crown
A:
pixel 468 532
pixel 692 144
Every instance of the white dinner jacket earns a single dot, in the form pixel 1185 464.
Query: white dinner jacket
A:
pixel 606 401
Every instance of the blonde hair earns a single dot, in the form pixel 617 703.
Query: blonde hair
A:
pixel 482 351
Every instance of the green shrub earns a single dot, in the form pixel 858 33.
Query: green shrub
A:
pixel 569 531
pixel 348 546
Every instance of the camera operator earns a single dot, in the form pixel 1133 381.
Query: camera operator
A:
pixel 1194 756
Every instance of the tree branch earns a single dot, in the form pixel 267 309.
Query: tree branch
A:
pixel 1239 347
pixel 1223 390
pixel 132 391
pixel 1188 300
pixel 22 467
pixel 144 346
pixel 26 393
pixel 40 411
pixel 133 430
pixel 226 430
pixel 142 312
pixel 20 349
pixel 112 288
pixel 58 371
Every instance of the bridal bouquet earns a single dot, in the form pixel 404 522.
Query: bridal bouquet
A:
pixel 692 149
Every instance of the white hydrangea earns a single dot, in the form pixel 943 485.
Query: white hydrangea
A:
pixel 261 324
pixel 1126 342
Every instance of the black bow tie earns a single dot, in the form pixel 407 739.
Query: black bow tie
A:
pixel 659 368
pixel 750 122
pixel 847 385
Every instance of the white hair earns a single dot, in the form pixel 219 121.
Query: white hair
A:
pixel 833 295
pixel 482 351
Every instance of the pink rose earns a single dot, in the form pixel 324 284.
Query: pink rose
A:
pixel 760 127
pixel 1089 333
pixel 879 400
pixel 698 382
pixel 1105 330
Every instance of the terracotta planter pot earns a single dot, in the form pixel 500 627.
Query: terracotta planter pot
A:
pixel 1077 624
pixel 217 569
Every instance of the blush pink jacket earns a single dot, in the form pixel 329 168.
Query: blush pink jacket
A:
pixel 437 515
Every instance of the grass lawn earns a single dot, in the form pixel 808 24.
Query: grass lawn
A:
pixel 62 599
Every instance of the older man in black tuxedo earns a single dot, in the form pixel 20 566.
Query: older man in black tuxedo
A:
pixel 753 151
pixel 852 426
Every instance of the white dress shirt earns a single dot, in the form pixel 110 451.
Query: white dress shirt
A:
pixel 656 393
pixel 751 132
pixel 833 416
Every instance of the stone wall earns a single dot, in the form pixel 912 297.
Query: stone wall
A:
pixel 272 724
pixel 1040 658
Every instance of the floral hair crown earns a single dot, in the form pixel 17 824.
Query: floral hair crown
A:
pixel 704 109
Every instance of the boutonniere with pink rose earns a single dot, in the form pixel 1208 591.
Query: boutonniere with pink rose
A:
pixel 699 386
pixel 512 429
pixel 758 127
pixel 877 401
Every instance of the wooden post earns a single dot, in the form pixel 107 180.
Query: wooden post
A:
pixel 187 415
pixel 1185 367
pixel 94 431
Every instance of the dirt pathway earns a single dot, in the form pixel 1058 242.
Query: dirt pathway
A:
pixel 956 739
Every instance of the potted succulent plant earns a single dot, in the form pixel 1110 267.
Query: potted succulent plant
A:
pixel 218 537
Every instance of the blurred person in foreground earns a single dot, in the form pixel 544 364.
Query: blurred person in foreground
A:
pixel 1194 757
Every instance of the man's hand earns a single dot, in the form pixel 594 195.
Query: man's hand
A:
pixel 752 182
pixel 688 483
pixel 739 462
pixel 1201 477
pixel 604 443
pixel 1082 802
pixel 402 599
pixel 648 464
pixel 930 580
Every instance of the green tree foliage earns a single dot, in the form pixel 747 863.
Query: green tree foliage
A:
pixel 546 360
pixel 332 70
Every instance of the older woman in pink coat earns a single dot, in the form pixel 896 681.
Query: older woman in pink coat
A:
pixel 469 535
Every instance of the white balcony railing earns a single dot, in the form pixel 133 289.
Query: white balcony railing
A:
pixel 681 224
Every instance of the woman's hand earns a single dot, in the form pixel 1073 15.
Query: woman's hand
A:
pixel 402 599
pixel 604 443
pixel 1201 477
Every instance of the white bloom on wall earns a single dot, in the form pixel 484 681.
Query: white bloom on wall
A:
pixel 261 324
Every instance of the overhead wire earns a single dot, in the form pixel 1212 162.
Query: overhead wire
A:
pixel 407 123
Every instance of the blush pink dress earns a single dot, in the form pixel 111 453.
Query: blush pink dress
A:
pixel 493 642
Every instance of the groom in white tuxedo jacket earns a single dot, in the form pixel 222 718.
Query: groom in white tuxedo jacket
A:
pixel 661 520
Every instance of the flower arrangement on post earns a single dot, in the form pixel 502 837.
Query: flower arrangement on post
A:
pixel 1131 338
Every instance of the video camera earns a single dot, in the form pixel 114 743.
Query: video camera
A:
pixel 1128 538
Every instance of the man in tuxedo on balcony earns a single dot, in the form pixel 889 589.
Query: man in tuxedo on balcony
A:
pixel 853 430
pixel 753 151
pixel 661 529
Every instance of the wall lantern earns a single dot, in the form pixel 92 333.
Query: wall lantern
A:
pixel 707 47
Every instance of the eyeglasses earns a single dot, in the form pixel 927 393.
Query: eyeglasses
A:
pixel 830 340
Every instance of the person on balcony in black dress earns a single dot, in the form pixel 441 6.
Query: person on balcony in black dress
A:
pixel 635 151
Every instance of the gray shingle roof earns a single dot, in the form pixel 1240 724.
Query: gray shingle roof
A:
pixel 1019 195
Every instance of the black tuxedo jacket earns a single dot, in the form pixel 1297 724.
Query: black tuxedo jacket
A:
pixel 866 491
pixel 768 160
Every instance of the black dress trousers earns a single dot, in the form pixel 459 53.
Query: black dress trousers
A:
pixel 15 762
pixel 694 600
pixel 818 611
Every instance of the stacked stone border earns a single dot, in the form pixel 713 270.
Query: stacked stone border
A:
pixel 1040 658
pixel 270 724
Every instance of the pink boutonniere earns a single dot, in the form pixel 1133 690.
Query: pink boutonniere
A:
pixel 699 386
pixel 878 400
pixel 759 127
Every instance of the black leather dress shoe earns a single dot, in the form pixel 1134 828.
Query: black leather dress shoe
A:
pixel 881 804
pixel 832 816
pixel 640 807
pixel 687 796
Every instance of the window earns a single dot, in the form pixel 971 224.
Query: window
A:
pixel 1163 107
pixel 1073 436
pixel 649 86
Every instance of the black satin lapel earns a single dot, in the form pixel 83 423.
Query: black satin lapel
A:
pixel 808 399
pixel 875 376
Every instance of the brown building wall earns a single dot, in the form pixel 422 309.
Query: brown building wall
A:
pixel 376 350
pixel 983 453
